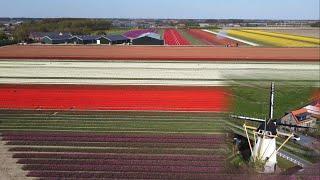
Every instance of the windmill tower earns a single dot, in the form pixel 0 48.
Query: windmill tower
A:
pixel 264 149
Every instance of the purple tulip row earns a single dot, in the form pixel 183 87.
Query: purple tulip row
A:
pixel 48 175
pixel 122 168
pixel 89 135
pixel 116 144
pixel 137 140
pixel 88 156
pixel 136 33
pixel 120 150
pixel 104 162
pixel 53 175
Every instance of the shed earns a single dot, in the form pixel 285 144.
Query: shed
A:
pixel 148 39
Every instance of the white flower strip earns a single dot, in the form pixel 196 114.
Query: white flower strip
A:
pixel 233 38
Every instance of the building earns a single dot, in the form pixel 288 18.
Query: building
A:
pixel 306 116
pixel 38 36
pixel 114 39
pixel 148 39
pixel 204 25
pixel 60 38
pixel 84 39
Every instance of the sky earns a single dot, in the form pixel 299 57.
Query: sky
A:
pixel 167 9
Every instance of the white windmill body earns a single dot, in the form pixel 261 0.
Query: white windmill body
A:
pixel 264 151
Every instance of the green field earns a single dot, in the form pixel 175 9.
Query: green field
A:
pixel 113 122
pixel 191 39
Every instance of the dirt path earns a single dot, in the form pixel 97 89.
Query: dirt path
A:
pixel 9 170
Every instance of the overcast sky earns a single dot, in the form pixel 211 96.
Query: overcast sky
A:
pixel 209 9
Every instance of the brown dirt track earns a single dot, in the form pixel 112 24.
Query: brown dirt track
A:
pixel 158 53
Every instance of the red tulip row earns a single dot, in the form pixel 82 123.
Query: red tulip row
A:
pixel 114 98
pixel 173 37
pixel 211 39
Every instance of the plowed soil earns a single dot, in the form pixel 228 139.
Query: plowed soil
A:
pixel 158 53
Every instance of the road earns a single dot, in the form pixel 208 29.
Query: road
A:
pixel 152 73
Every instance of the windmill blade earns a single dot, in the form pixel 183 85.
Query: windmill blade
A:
pixel 289 125
pixel 248 118
pixel 271 105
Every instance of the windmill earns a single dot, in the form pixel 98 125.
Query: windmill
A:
pixel 264 149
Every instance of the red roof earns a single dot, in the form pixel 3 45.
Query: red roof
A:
pixel 299 111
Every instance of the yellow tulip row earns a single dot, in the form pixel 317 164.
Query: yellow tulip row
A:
pixel 286 36
pixel 269 40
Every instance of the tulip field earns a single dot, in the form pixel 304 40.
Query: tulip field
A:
pixel 274 39
pixel 116 98
pixel 173 37
pixel 57 144
pixel 211 39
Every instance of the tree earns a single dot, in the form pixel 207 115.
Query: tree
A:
pixel 21 34
pixel 3 36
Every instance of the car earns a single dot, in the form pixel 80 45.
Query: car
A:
pixel 296 137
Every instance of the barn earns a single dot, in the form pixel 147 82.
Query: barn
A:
pixel 148 39
pixel 114 39
pixel 38 36
pixel 84 39
pixel 57 39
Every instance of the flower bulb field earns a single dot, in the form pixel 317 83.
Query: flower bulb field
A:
pixel 110 98
pixel 173 37
pixel 146 112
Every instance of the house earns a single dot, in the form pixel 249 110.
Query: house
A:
pixel 148 39
pixel 306 116
pixel 60 38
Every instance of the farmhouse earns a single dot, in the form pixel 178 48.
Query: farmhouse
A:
pixel 306 116
pixel 148 39
pixel 60 38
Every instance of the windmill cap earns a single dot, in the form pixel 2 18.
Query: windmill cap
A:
pixel 270 127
